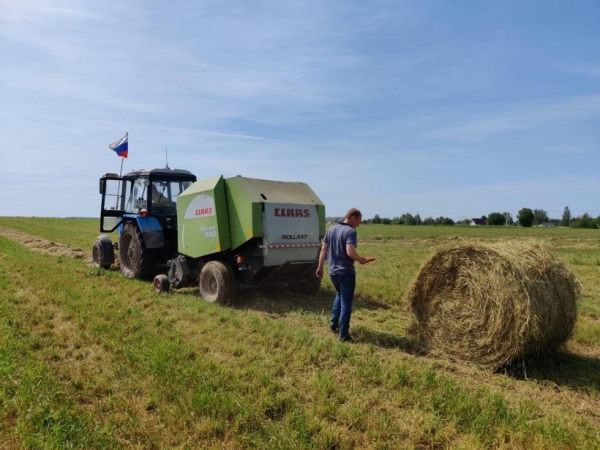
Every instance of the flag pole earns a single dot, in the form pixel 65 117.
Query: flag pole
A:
pixel 119 184
pixel 121 171
pixel 120 147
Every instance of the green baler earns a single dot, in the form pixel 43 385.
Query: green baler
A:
pixel 236 233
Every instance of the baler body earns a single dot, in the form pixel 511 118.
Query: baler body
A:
pixel 267 231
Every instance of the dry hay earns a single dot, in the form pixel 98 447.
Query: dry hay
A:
pixel 43 245
pixel 493 304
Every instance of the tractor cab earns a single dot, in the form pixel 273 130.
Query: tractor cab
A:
pixel 142 193
pixel 141 205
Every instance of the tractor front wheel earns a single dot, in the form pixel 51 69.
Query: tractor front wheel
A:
pixel 136 260
pixel 217 283
pixel 102 254
pixel 161 283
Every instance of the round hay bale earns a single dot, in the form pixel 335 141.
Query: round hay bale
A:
pixel 492 304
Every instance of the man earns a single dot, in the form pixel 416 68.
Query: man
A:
pixel 339 247
pixel 161 205
pixel 158 197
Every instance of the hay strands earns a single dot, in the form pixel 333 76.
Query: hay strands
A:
pixel 492 304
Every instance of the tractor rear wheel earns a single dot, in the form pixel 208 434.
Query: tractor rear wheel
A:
pixel 217 283
pixel 136 260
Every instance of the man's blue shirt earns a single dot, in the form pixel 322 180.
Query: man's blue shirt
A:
pixel 336 238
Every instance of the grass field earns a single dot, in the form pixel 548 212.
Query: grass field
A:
pixel 89 359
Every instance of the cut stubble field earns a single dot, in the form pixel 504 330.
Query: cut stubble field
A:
pixel 90 359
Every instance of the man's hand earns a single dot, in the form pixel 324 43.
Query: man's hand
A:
pixel 366 260
pixel 319 273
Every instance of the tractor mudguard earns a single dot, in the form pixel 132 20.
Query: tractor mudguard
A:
pixel 151 231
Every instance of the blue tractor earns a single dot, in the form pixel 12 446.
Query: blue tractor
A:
pixel 141 206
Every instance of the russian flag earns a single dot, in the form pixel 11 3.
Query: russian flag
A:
pixel 121 147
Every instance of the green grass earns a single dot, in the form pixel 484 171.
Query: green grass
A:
pixel 89 359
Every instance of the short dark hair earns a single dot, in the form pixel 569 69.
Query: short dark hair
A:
pixel 353 212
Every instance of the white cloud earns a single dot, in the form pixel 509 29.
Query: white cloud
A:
pixel 518 117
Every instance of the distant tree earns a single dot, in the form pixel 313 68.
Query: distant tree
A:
pixel 396 221
pixel 429 221
pixel 485 219
pixel 508 220
pixel 417 219
pixel 566 217
pixel 386 221
pixel 376 219
pixel 540 216
pixel 408 219
pixel 584 221
pixel 447 221
pixel 525 217
pixel 496 218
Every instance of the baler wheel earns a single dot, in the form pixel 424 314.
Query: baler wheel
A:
pixel 217 283
pixel 136 260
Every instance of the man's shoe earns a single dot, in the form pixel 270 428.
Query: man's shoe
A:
pixel 346 338
pixel 333 328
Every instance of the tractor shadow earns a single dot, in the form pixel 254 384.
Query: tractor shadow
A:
pixel 279 301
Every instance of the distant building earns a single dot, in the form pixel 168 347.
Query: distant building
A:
pixel 478 222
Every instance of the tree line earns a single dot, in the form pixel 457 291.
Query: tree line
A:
pixel 526 217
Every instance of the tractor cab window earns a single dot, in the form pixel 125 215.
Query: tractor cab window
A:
pixel 136 196
pixel 164 196
pixel 177 187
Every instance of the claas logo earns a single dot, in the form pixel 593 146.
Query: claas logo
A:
pixel 204 211
pixel 291 212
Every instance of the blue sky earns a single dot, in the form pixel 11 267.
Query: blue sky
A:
pixel 454 109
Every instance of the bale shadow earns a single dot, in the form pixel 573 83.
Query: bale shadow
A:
pixel 560 368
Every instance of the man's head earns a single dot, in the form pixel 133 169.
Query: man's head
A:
pixel 353 217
